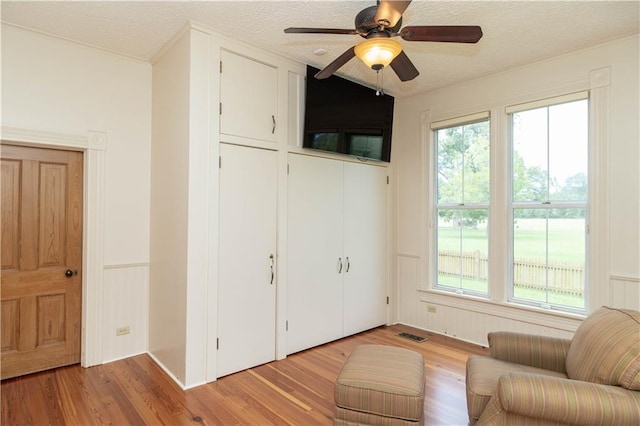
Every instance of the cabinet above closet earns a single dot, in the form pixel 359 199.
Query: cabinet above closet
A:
pixel 248 98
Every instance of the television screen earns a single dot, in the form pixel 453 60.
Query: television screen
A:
pixel 347 118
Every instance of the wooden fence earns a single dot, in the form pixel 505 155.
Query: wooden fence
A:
pixel 563 278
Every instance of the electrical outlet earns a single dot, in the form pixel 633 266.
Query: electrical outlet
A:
pixel 432 309
pixel 121 331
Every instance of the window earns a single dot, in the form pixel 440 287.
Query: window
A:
pixel 549 189
pixel 462 204
pixel 531 209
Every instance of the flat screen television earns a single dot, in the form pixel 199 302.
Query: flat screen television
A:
pixel 347 118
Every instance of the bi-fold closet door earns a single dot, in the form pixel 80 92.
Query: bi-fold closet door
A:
pixel 314 287
pixel 337 250
pixel 365 246
pixel 247 247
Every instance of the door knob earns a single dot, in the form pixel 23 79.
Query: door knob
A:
pixel 68 273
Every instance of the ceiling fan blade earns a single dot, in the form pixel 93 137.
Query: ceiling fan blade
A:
pixel 404 68
pixel 294 30
pixel 444 33
pixel 336 64
pixel 390 12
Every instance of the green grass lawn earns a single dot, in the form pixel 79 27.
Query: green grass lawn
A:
pixel 566 246
pixel 566 239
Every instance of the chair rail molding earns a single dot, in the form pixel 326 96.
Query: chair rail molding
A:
pixel 94 146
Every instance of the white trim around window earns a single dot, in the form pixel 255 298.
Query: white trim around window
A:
pixel 556 100
pixel 461 121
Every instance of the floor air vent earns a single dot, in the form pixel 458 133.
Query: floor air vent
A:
pixel 412 337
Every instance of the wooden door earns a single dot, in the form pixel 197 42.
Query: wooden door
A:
pixel 41 259
pixel 315 253
pixel 247 268
pixel 249 98
pixel 365 246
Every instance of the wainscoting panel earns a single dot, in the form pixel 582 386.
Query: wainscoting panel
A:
pixel 473 323
pixel 468 318
pixel 125 305
pixel 408 275
pixel 625 292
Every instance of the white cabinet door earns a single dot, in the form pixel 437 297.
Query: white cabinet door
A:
pixel 314 252
pixel 249 98
pixel 247 284
pixel 365 246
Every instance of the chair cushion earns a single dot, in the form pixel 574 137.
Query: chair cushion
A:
pixel 528 399
pixel 606 349
pixel 382 380
pixel 483 374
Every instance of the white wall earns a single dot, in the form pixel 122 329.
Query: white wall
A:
pixel 169 208
pixel 611 71
pixel 180 173
pixel 56 86
pixel 199 264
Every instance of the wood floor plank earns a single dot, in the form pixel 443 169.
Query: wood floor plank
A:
pixel 295 391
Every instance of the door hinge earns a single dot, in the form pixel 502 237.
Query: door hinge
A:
pixel 287 168
pixel 220 67
pixel 220 162
pixel 286 325
pixel 387 300
pixel 220 108
pixel 387 180
pixel 217 343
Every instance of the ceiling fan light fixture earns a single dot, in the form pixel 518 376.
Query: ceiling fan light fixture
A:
pixel 378 52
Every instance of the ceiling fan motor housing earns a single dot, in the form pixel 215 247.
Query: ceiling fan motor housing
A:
pixel 365 22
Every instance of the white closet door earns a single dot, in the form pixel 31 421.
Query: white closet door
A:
pixel 249 98
pixel 247 286
pixel 365 245
pixel 314 252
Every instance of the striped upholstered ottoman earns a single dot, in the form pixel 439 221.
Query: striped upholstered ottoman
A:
pixel 380 385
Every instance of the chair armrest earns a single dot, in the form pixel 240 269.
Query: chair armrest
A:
pixel 554 399
pixel 544 352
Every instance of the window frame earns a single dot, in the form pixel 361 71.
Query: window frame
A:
pixel 479 117
pixel 500 207
pixel 547 204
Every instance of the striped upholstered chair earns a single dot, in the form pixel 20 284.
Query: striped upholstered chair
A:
pixel 593 379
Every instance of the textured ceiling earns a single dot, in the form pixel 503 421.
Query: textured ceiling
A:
pixel 515 32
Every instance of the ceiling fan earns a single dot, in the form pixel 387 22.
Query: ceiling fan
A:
pixel 378 24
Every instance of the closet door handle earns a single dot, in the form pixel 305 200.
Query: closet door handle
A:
pixel 339 265
pixel 347 259
pixel 271 266
pixel 273 128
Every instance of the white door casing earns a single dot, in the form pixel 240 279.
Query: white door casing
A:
pixel 94 146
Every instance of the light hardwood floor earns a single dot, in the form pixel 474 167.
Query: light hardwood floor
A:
pixel 297 390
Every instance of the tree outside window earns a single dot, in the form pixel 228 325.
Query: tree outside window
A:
pixel 462 207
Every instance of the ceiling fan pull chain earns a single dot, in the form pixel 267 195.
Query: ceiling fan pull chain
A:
pixel 379 83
